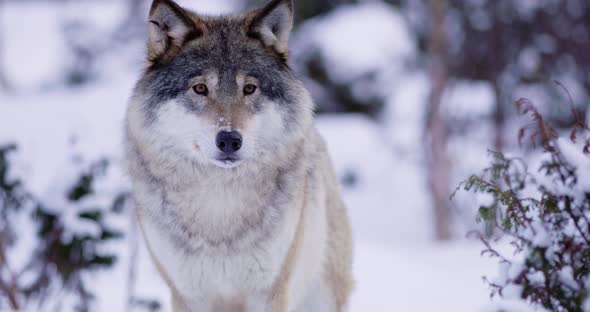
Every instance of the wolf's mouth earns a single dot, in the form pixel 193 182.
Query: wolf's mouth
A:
pixel 228 161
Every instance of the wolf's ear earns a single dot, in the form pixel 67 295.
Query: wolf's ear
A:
pixel 169 27
pixel 272 25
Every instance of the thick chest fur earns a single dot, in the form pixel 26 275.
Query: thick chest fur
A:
pixel 221 240
pixel 215 274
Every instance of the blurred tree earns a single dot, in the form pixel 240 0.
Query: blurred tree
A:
pixel 436 123
pixel 86 50
pixel 133 26
pixel 512 44
pixel 82 66
pixel 3 79
pixel 306 9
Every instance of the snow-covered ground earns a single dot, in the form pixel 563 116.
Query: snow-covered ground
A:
pixel 397 265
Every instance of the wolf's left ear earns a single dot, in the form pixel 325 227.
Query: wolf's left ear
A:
pixel 170 26
pixel 272 25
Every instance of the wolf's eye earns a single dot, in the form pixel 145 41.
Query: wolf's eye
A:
pixel 249 89
pixel 201 89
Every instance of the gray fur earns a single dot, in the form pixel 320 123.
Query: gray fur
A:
pixel 243 224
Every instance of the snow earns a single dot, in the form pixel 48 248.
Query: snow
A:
pixel 386 184
pixel 32 31
pixel 397 265
pixel 539 234
pixel 513 306
pixel 419 278
pixel 211 7
pixel 25 28
pixel 566 276
pixel 480 99
pixel 536 278
pixel 404 113
pixel 529 60
pixel 573 154
pixel 377 31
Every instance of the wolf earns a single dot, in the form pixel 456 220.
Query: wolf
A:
pixel 235 192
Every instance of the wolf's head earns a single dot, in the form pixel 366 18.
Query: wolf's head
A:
pixel 219 89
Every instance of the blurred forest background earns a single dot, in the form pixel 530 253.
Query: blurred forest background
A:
pixel 411 95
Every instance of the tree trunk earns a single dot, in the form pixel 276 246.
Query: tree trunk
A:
pixel 497 33
pixel 436 127
pixel 499 119
pixel 3 80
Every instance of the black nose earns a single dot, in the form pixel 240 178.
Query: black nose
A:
pixel 229 141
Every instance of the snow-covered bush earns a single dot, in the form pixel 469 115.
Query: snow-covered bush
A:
pixel 45 251
pixel 357 80
pixel 546 215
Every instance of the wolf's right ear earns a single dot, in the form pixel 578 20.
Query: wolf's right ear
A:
pixel 272 25
pixel 169 27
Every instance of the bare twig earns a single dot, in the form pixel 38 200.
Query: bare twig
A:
pixel 9 288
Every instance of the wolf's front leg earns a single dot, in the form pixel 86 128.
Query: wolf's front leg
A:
pixel 199 304
pixel 178 305
pixel 255 303
pixel 278 303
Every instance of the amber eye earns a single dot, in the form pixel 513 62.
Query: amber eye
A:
pixel 201 89
pixel 249 89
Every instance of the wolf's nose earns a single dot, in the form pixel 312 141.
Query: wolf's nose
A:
pixel 229 141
